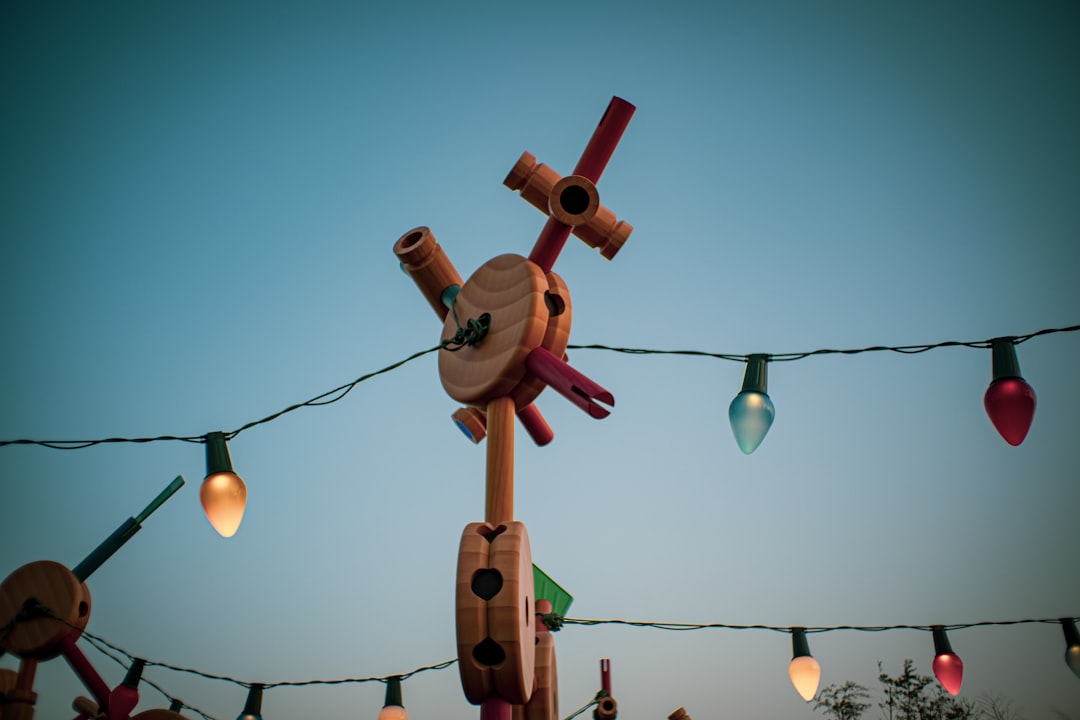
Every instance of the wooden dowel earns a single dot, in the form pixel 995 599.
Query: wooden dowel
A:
pixel 499 506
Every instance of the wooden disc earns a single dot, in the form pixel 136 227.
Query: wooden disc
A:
pixel 511 289
pixel 471 615
pixel 511 618
pixel 56 588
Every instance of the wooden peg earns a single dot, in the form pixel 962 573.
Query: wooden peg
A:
pixel 679 714
pixel 20 699
pixel 424 260
pixel 499 505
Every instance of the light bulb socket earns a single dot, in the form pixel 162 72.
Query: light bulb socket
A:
pixel 253 704
pixel 393 692
pixel 755 379
pixel 1004 362
pixel 134 674
pixel 941 641
pixel 799 645
pixel 1072 636
pixel 217 454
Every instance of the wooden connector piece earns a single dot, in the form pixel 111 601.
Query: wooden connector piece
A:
pixel 426 263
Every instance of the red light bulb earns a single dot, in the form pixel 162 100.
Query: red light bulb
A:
pixel 948 668
pixel 1009 401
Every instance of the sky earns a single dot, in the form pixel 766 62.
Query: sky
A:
pixel 198 204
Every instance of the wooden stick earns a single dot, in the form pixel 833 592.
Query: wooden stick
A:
pixel 499 506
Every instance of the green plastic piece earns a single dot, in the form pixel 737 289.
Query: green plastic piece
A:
pixel 548 589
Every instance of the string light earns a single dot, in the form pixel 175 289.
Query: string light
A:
pixel 948 667
pixel 751 412
pixel 223 494
pixel 1072 639
pixel 338 393
pixel 1072 645
pixel 393 709
pixel 804 670
pixel 1009 401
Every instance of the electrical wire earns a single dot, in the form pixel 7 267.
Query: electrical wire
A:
pixel 784 357
pixel 474 331
pixel 830 628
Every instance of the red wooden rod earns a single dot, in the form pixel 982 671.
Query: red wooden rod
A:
pixel 568 382
pixel 550 243
pixel 604 139
pixel 591 165
pixel 86 672
pixel 495 708
pixel 535 424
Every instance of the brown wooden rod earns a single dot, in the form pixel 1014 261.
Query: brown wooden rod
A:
pixel 499 506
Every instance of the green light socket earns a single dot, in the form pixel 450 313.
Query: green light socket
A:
pixel 756 377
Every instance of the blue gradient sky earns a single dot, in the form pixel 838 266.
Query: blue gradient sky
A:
pixel 197 207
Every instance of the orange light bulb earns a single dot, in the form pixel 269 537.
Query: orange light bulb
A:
pixel 223 494
pixel 804 670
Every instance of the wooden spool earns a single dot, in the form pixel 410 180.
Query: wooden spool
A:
pixel 607 709
pixel 56 588
pixel 544 703
pixel 528 309
pixel 496 634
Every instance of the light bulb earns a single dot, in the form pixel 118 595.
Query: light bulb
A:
pixel 804 670
pixel 948 668
pixel 392 708
pixel 1009 401
pixel 1072 645
pixel 223 494
pixel 751 412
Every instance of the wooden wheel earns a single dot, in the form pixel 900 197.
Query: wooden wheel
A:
pixel 496 631
pixel 528 309
pixel 57 589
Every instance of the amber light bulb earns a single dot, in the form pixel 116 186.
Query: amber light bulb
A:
pixel 223 494
pixel 804 670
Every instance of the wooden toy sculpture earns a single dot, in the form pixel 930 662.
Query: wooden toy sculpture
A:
pixel 517 316
pixel 44 609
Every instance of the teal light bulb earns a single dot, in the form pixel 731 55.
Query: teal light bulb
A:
pixel 751 414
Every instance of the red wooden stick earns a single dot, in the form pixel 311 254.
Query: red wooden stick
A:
pixel 568 382
pixel 604 139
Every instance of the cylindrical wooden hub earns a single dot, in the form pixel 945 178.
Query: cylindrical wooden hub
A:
pixel 540 186
pixel 573 200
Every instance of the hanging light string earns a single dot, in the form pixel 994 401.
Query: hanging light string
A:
pixel 553 620
pixel 783 357
pixel 474 331
pixel 786 629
